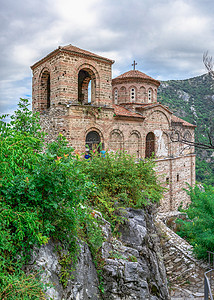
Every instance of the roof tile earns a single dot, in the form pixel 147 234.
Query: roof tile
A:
pixel 184 123
pixel 122 111
pixel 135 74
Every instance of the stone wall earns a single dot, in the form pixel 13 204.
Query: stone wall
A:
pixel 179 260
pixel 64 111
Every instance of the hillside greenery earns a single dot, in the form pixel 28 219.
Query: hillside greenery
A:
pixel 51 192
pixel 199 227
pixel 193 100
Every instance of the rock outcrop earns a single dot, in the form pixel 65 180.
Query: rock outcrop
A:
pixel 133 266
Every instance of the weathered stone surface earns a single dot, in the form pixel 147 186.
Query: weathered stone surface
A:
pixel 84 286
pixel 133 265
pixel 134 268
pixel 184 272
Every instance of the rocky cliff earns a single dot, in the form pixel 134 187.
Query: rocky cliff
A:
pixel 133 265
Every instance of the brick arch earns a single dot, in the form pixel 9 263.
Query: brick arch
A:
pixel 161 118
pixel 87 73
pixel 122 94
pixel 134 142
pixel 187 135
pixel 116 140
pixel 100 142
pixel 44 89
pixel 142 94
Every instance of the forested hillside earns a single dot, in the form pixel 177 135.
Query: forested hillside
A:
pixel 193 100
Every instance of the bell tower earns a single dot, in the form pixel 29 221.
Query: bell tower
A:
pixel 70 75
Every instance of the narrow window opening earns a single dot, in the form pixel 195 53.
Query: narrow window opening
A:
pixel 132 95
pixel 177 177
pixel 115 96
pixel 167 180
pixel 149 96
pixel 89 92
pixel 48 92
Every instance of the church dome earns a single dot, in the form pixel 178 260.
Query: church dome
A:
pixel 135 87
pixel 135 74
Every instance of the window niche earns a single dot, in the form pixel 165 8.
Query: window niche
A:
pixel 45 94
pixel 86 86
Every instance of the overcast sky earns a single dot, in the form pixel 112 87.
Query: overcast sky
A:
pixel 167 38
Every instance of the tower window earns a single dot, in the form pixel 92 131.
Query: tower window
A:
pixel 86 86
pixel 149 96
pixel 132 95
pixel 115 96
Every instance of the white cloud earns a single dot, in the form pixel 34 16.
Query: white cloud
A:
pixel 166 38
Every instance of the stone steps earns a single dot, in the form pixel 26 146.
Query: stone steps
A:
pixel 184 272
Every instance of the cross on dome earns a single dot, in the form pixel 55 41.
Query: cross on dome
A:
pixel 134 64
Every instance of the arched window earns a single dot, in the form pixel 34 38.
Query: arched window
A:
pixel 150 144
pixel 132 95
pixel 149 95
pixel 45 91
pixel 93 140
pixel 115 96
pixel 86 86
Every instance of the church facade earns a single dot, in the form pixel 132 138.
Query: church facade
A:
pixel 75 94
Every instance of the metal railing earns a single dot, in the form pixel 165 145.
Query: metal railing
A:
pixel 207 285
pixel 208 277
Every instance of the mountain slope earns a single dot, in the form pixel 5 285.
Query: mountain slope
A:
pixel 193 100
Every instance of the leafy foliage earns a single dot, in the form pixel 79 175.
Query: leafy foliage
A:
pixel 40 195
pixel 121 182
pixel 200 230
pixel 48 192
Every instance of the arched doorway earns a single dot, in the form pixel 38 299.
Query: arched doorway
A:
pixel 150 144
pixel 86 86
pixel 93 141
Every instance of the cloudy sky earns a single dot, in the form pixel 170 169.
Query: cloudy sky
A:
pixel 167 38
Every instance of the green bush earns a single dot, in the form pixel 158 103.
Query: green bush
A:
pixel 48 192
pixel 199 231
pixel 121 181
pixel 40 195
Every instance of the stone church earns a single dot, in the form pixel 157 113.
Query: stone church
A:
pixel 75 94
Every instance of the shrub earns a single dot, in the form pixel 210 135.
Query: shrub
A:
pixel 199 231
pixel 40 196
pixel 121 181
